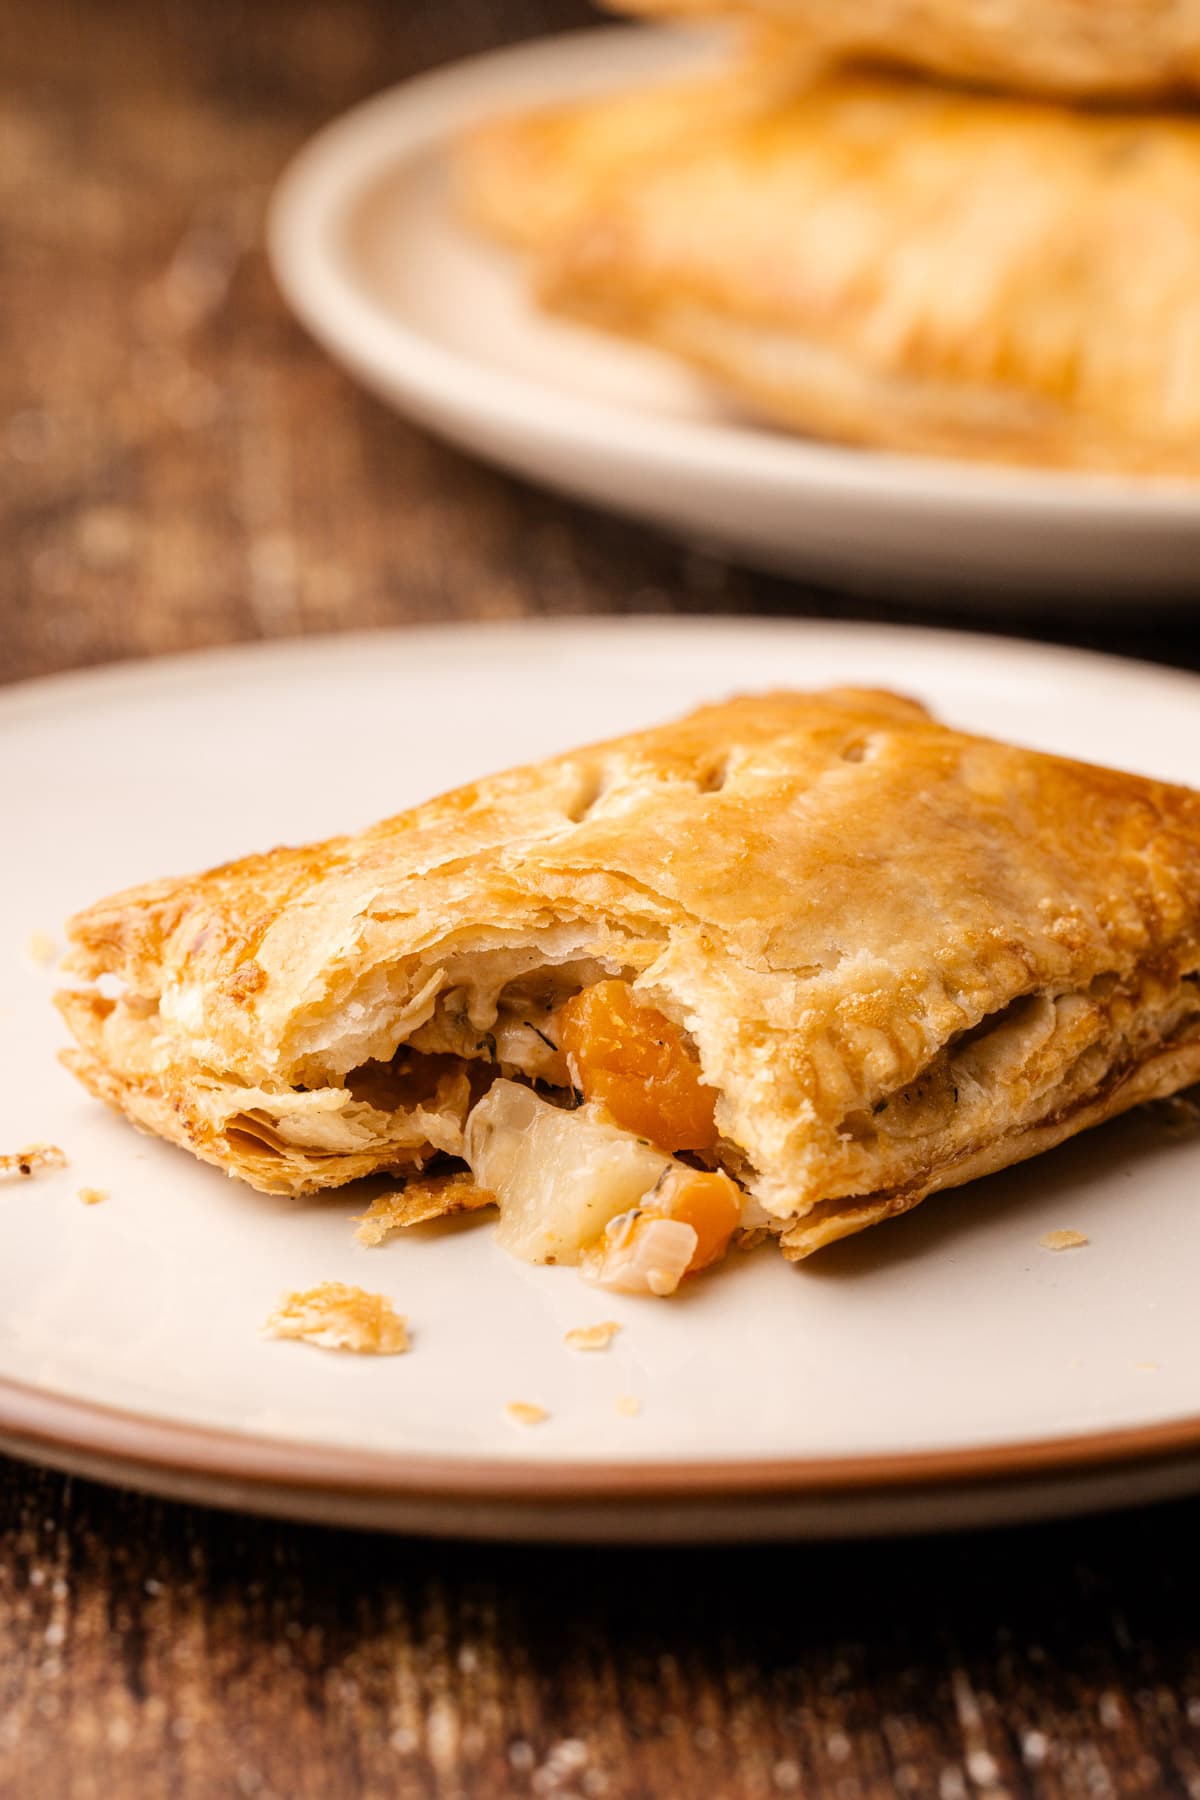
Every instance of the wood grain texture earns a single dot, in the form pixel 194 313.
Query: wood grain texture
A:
pixel 148 1649
pixel 181 467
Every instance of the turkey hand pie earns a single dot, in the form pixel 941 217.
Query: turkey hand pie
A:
pixel 1070 47
pixel 786 966
pixel 879 261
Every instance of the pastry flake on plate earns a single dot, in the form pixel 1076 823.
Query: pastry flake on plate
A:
pixel 788 964
pixel 878 261
pixel 335 1316
pixel 34 1159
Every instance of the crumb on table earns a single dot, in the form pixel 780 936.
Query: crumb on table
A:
pixel 1062 1240
pixel 34 1159
pixel 336 1316
pixel 525 1412
pixel 628 1405
pixel 592 1337
pixel 93 1196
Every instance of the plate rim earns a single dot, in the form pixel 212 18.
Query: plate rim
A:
pixel 145 1441
pixel 28 693
pixel 347 155
pixel 34 1420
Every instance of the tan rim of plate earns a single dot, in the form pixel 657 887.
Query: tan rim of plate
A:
pixel 38 1424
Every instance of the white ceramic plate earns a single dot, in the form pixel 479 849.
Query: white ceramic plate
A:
pixel 942 1368
pixel 369 251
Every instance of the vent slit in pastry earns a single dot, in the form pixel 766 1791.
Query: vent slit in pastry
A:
pixel 800 961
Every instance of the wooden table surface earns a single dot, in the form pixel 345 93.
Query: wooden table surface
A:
pixel 182 468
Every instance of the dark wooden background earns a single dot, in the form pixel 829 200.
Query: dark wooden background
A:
pixel 180 467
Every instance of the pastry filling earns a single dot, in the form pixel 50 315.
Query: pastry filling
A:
pixel 581 1110
pixel 590 1176
pixel 596 1134
pixel 574 1187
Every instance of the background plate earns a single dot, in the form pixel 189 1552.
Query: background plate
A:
pixel 940 1368
pixel 368 249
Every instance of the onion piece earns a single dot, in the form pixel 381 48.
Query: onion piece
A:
pixel 641 1254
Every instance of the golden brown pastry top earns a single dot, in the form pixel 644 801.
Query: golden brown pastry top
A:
pixel 825 890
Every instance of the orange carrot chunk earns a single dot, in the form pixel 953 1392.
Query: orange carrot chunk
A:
pixel 709 1203
pixel 632 1059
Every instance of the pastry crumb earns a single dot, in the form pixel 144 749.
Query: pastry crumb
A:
pixel 524 1412
pixel 335 1316
pixel 93 1196
pixel 628 1405
pixel 1062 1240
pixel 34 1159
pixel 1147 1368
pixel 417 1203
pixel 592 1337
pixel 42 948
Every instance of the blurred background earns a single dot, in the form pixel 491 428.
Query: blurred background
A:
pixel 182 466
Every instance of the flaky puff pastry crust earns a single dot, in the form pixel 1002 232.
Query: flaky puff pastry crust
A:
pixel 904 956
pixel 879 261
pixel 1074 48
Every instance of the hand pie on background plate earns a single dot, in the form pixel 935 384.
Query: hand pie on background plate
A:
pixel 527 177
pixel 888 263
pixel 789 964
pixel 1069 47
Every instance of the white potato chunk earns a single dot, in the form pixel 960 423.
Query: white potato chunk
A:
pixel 559 1176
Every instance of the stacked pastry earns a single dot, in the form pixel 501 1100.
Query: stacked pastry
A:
pixel 961 227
